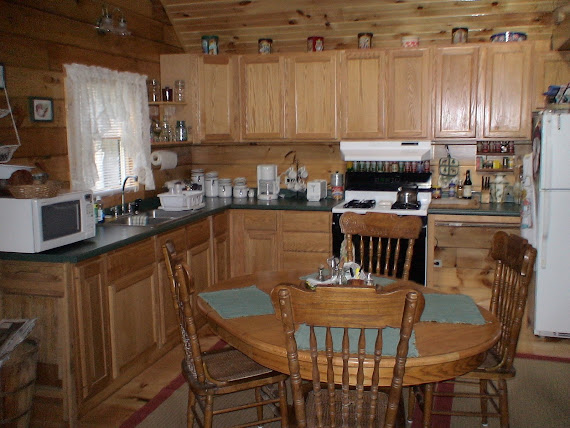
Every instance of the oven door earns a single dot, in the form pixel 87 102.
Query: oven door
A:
pixel 419 261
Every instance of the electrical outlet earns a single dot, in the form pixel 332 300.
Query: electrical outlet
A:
pixel 437 263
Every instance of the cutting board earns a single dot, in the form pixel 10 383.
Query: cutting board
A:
pixel 454 203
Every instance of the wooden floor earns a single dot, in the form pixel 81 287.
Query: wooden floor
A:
pixel 116 409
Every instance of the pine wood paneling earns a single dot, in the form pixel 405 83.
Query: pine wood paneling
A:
pixel 240 24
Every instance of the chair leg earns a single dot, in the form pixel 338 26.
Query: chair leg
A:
pixel 428 402
pixel 209 411
pixel 411 403
pixel 258 399
pixel 483 390
pixel 190 411
pixel 283 408
pixel 504 403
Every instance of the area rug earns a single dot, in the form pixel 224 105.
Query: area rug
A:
pixel 538 397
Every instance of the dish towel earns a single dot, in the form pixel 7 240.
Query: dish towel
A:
pixel 390 339
pixel 239 302
pixel 528 206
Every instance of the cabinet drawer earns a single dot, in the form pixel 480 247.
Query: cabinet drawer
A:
pixel 296 221
pixel 131 259
pixel 306 242
pixel 305 261
pixel 177 236
pixel 470 235
pixel 260 220
pixel 198 233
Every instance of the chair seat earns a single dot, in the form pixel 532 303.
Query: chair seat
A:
pixel 312 416
pixel 231 365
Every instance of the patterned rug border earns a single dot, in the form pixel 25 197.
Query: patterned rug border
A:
pixel 141 414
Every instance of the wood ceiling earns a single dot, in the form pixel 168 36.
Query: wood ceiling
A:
pixel 240 23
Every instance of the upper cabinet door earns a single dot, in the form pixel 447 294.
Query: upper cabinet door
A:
pixel 312 98
pixel 218 98
pixel 409 90
pixel 456 79
pixel 362 94
pixel 550 68
pixel 262 80
pixel 507 90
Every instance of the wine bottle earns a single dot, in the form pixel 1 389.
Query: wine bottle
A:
pixel 467 186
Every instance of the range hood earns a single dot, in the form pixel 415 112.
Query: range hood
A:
pixel 386 150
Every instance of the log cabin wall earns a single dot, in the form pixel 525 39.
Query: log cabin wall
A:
pixel 38 37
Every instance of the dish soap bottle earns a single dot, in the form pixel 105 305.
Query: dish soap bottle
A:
pixel 99 213
pixel 467 186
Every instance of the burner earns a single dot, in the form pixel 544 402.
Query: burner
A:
pixel 364 203
pixel 406 206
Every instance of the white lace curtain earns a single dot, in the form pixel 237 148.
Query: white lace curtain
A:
pixel 98 99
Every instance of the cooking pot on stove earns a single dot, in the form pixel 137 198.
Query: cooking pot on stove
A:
pixel 407 194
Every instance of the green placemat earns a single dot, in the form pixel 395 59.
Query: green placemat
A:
pixel 390 339
pixel 451 308
pixel 239 302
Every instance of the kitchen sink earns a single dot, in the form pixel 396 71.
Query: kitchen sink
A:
pixel 147 219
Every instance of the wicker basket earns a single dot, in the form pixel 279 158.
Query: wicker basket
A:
pixel 35 191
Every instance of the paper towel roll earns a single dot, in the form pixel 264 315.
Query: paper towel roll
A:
pixel 164 159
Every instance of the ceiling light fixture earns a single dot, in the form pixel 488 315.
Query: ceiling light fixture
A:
pixel 106 23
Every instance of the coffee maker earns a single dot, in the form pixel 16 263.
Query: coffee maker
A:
pixel 267 182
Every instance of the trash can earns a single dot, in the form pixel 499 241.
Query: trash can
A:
pixel 17 385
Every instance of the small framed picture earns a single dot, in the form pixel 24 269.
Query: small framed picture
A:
pixel 41 109
pixel 2 78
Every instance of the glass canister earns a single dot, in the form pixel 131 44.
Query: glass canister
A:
pixel 165 132
pixel 179 91
pixel 181 132
pixel 154 93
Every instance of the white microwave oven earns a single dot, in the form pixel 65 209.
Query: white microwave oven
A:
pixel 35 225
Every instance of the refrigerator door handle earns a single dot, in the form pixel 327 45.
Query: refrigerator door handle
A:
pixel 545 208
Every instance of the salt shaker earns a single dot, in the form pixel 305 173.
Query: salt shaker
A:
pixel 369 280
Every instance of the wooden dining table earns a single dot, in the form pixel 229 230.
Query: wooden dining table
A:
pixel 446 350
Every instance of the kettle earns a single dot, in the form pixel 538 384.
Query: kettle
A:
pixel 407 194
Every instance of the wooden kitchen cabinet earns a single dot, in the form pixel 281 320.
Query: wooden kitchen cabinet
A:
pixel 306 239
pixel 456 74
pixel 133 305
pixel 363 94
pixel 458 258
pixel 94 340
pixel 200 253
pixel 218 98
pixel 507 99
pixel 221 244
pixel 262 92
pixel 312 96
pixel 550 68
pixel 254 236
pixel 168 319
pixel 409 93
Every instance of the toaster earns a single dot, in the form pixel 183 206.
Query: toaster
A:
pixel 316 190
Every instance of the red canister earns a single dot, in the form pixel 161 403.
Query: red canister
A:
pixel 315 44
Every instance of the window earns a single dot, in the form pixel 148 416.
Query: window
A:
pixel 108 128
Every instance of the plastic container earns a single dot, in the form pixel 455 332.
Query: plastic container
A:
pixel 187 200
pixel 315 44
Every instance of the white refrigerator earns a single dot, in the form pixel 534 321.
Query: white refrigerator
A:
pixel 549 308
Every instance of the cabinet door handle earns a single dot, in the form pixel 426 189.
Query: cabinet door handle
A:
pixel 494 225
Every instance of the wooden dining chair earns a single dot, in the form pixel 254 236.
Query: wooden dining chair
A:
pixel 345 327
pixel 385 240
pixel 514 265
pixel 210 374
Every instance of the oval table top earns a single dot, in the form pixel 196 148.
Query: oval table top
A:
pixel 445 350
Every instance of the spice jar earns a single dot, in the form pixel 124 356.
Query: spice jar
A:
pixel 436 192
pixel 181 131
pixel 179 91
pixel 154 91
pixel 167 93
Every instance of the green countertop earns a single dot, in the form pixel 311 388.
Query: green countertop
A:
pixel 112 237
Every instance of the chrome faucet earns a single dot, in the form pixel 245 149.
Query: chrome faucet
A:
pixel 134 177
